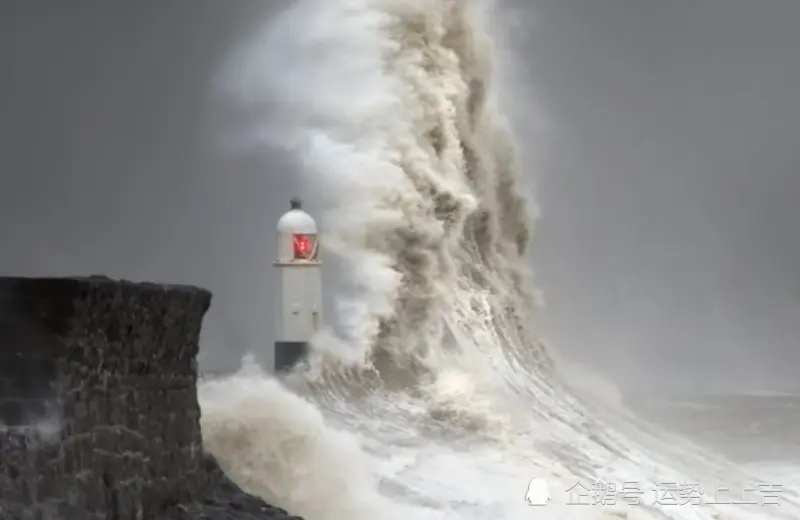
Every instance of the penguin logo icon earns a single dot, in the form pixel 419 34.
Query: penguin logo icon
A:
pixel 538 493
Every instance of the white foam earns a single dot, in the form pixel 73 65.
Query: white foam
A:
pixel 278 446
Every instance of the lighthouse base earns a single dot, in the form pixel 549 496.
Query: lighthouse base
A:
pixel 288 354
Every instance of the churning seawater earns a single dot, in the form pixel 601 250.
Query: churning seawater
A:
pixel 434 398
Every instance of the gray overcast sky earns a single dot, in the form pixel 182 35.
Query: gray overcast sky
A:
pixel 668 248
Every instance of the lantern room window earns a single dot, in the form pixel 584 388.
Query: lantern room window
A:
pixel 302 247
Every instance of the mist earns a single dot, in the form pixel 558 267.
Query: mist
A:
pixel 664 164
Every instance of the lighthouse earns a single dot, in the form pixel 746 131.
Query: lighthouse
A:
pixel 299 272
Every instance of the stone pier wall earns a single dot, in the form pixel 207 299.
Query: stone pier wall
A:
pixel 99 417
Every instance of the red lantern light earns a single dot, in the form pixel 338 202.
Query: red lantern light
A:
pixel 302 246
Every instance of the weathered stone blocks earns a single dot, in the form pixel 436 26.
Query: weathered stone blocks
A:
pixel 99 417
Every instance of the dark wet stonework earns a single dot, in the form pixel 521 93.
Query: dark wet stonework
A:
pixel 99 417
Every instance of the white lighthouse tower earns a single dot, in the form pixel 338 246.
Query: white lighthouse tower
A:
pixel 299 286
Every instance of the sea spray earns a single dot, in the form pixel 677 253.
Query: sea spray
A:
pixel 277 445
pixel 436 398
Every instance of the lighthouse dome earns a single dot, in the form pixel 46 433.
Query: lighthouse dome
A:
pixel 297 221
pixel 297 237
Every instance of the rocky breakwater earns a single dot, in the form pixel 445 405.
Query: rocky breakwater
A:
pixel 99 417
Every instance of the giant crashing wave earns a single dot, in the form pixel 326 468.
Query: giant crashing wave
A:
pixel 392 107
